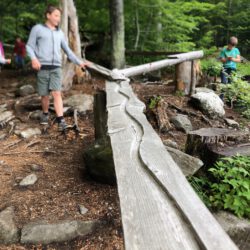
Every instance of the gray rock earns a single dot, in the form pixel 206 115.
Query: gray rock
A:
pixel 83 210
pixel 28 180
pixel 6 116
pixel 36 115
pixel 204 90
pixel 210 103
pixel 182 122
pixel 170 143
pixel 188 164
pixel 30 132
pixel 8 231
pixel 81 102
pixel 3 108
pixel 238 229
pixel 2 136
pixel 36 168
pixel 232 123
pixel 26 90
pixel 44 233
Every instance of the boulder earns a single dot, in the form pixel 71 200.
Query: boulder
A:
pixel 209 103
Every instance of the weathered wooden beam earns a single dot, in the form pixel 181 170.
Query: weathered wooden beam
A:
pixel 160 210
pixel 145 68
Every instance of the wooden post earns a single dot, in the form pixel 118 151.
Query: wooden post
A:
pixel 185 77
pixel 100 116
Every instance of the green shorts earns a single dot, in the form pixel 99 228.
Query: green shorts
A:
pixel 49 80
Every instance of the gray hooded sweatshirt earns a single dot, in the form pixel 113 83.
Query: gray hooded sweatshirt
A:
pixel 46 44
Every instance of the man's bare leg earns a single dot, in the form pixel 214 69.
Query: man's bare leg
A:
pixel 45 104
pixel 58 103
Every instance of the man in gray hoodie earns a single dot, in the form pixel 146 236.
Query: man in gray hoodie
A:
pixel 44 49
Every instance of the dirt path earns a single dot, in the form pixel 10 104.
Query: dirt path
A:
pixel 62 183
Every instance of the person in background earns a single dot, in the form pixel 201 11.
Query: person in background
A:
pixel 44 49
pixel 19 53
pixel 3 60
pixel 229 56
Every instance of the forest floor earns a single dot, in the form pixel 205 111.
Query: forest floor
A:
pixel 63 183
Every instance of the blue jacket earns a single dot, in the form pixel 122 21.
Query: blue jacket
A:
pixel 46 44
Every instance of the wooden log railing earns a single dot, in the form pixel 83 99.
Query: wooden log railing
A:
pixel 159 208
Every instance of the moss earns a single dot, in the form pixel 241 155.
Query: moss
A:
pixel 99 163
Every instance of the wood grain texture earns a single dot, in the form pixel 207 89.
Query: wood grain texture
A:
pixel 159 208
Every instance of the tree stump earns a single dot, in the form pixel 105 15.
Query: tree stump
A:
pixel 204 143
pixel 162 117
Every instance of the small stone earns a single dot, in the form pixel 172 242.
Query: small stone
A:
pixel 3 136
pixel 5 116
pixel 232 123
pixel 35 115
pixel 182 122
pixel 170 143
pixel 2 162
pixel 8 229
pixel 36 168
pixel 26 90
pixel 28 180
pixel 83 210
pixel 30 132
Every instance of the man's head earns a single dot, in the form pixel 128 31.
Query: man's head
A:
pixel 53 15
pixel 18 39
pixel 233 41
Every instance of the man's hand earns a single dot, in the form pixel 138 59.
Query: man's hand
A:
pixel 8 61
pixel 36 65
pixel 84 64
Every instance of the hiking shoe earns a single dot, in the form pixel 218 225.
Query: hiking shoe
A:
pixel 62 125
pixel 44 119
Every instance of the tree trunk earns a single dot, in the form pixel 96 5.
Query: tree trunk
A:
pixel 118 34
pixel 70 28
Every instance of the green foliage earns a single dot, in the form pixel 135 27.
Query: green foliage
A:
pixel 231 188
pixel 154 101
pixel 201 187
pixel 211 66
pixel 227 185
pixel 238 93
pixel 243 69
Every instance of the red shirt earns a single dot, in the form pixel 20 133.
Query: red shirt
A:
pixel 20 49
